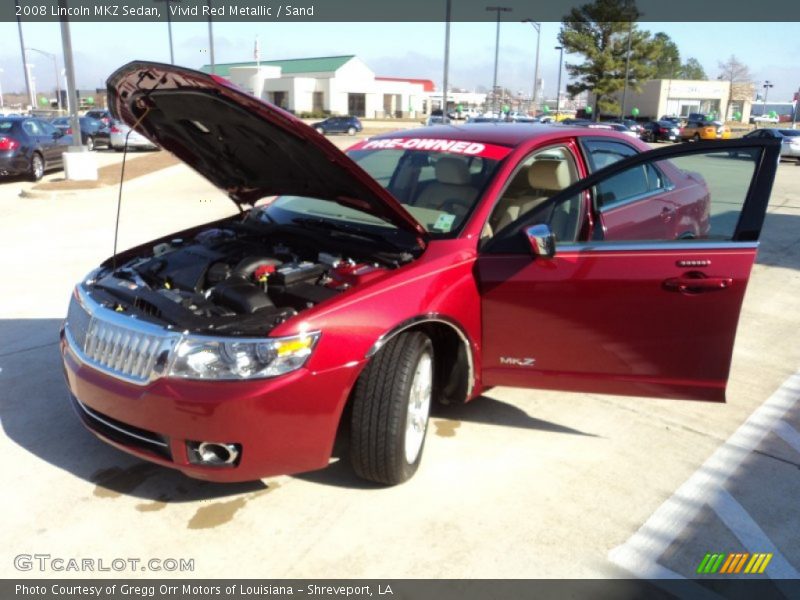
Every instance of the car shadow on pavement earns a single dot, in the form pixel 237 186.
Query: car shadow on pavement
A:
pixel 482 409
pixel 780 241
pixel 490 411
pixel 35 414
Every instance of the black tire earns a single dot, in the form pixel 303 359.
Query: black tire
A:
pixel 36 167
pixel 119 148
pixel 380 410
pixel 696 137
pixel 351 131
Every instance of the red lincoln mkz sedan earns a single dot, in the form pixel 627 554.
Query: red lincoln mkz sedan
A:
pixel 420 266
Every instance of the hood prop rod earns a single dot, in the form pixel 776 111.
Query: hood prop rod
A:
pixel 121 179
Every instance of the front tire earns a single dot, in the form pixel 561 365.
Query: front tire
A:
pixel 391 405
pixel 351 131
pixel 36 168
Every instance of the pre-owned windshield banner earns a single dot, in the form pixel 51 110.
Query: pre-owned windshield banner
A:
pixel 465 148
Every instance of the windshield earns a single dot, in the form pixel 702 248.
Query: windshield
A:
pixel 439 189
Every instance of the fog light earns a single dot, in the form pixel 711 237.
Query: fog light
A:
pixel 214 454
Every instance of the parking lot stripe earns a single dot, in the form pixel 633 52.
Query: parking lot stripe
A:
pixel 788 434
pixel 742 525
pixel 645 547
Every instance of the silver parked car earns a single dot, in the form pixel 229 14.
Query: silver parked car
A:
pixel 790 140
pixel 120 132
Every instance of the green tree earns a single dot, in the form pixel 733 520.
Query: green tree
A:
pixel 599 33
pixel 692 69
pixel 668 58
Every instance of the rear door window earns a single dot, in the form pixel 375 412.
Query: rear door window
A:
pixel 601 153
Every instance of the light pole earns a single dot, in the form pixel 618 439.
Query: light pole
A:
pixel 2 104
pixel 446 61
pixel 55 72
pixel 69 69
pixel 558 89
pixel 538 27
pixel 66 89
pixel 169 28
pixel 22 49
pixel 31 85
pixel 210 38
pixel 498 9
pixel 627 69
pixel 766 86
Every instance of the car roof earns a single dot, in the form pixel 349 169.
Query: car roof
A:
pixel 504 134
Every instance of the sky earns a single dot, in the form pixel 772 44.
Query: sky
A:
pixel 771 50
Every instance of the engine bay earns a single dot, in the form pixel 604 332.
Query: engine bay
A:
pixel 235 279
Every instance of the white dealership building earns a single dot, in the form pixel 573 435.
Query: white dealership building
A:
pixel 338 85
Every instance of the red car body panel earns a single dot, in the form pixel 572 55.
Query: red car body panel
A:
pixel 594 334
pixel 286 425
pixel 620 320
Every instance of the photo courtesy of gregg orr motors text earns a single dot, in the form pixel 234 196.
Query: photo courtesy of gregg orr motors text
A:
pixel 44 563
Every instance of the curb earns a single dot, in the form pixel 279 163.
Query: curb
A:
pixel 55 194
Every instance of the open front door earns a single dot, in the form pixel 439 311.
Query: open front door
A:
pixel 644 298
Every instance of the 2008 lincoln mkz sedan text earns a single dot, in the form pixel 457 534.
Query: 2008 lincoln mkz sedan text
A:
pixel 420 266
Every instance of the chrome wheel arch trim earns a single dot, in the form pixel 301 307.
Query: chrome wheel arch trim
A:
pixel 431 318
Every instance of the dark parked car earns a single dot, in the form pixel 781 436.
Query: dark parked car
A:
pixel 630 124
pixel 678 121
pixel 100 115
pixel 348 125
pixel 30 146
pixel 420 266
pixel 93 131
pixel 660 131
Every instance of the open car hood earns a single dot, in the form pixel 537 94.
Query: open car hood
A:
pixel 243 145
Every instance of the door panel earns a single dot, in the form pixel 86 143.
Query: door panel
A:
pixel 609 321
pixel 652 317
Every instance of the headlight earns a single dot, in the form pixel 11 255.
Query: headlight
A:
pixel 197 357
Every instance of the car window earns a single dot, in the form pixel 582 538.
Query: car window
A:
pixel 601 153
pixel 539 177
pixel 697 197
pixel 31 128
pixel 439 187
pixel 47 128
pixel 629 186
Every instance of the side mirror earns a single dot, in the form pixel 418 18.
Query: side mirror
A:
pixel 542 240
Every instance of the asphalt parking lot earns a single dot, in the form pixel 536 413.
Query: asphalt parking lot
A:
pixel 519 483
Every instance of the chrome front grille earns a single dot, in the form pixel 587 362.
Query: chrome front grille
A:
pixel 117 344
pixel 122 350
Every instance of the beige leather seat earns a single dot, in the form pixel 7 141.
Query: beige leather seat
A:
pixel 451 191
pixel 546 177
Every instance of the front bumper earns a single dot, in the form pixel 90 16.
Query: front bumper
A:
pixel 284 425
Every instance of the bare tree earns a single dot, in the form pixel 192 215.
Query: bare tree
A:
pixel 733 71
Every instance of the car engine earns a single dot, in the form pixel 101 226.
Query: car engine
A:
pixel 227 280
